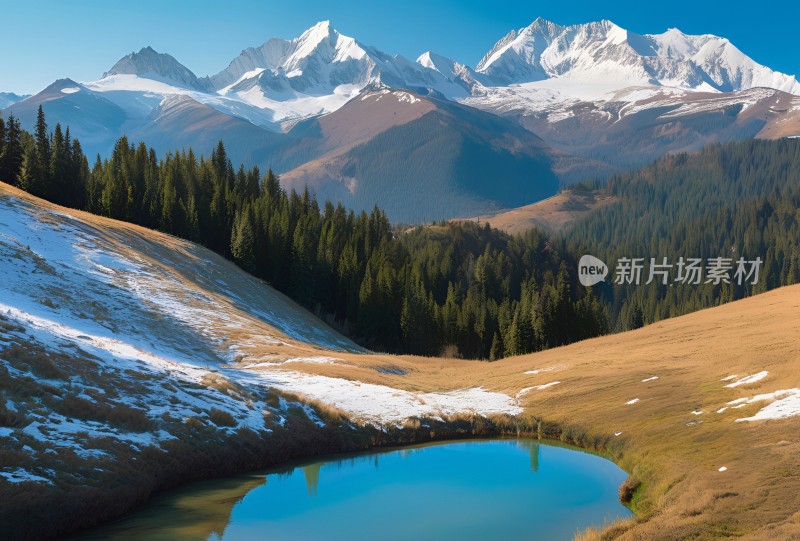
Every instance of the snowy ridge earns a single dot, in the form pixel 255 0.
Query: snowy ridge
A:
pixel 589 75
pixel 318 72
pixel 532 69
pixel 604 52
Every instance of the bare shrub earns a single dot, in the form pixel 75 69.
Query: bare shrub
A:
pixel 37 359
pixel 118 415
pixel 450 351
pixel 221 417
pixel 628 489
pixel 9 418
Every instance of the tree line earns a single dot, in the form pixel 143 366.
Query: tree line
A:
pixel 458 289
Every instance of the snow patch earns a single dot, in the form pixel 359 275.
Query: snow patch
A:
pixel 784 404
pixel 747 380
pixel 21 476
pixel 537 388
pixel 308 360
pixel 405 97
pixel 541 370
pixel 383 405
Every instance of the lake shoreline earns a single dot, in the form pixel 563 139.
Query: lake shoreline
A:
pixel 519 481
pixel 248 452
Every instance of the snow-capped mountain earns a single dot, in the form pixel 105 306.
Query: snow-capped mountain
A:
pixel 594 91
pixel 452 71
pixel 545 64
pixel 319 72
pixel 149 64
pixel 604 53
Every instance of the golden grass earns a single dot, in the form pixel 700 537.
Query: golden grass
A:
pixel 675 455
pixel 552 214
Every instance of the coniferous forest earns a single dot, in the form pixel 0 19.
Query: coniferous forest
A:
pixel 458 289
pixel 454 289
pixel 735 200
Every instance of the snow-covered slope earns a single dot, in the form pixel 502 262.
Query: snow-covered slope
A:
pixel 133 299
pixel 131 361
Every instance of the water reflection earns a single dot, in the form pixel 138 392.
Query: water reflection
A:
pixel 502 489
pixel 311 473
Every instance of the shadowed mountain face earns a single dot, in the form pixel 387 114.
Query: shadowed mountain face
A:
pixel 182 122
pixel 419 158
pixel 422 159
pixel 91 117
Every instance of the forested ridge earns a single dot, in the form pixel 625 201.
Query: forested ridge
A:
pixel 448 288
pixel 734 200
pixel 455 289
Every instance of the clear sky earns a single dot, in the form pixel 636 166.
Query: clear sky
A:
pixel 44 40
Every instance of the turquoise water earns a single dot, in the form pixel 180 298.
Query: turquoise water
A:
pixel 477 490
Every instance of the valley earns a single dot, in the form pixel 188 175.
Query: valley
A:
pixel 697 408
pixel 331 292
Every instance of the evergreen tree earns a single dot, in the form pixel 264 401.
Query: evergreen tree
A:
pixel 243 241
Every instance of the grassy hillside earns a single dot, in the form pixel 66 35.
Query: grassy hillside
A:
pixel 145 361
pixel 672 403
pixel 132 361
pixel 551 215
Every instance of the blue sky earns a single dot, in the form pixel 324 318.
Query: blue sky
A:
pixel 48 39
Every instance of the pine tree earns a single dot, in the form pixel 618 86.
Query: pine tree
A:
pixel 11 156
pixel 243 241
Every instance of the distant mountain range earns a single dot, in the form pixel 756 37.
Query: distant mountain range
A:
pixel 548 103
pixel 8 98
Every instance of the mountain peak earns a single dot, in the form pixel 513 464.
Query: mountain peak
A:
pixel 542 25
pixel 318 33
pixel 432 60
pixel 321 26
pixel 150 64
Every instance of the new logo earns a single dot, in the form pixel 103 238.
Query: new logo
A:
pixel 591 270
